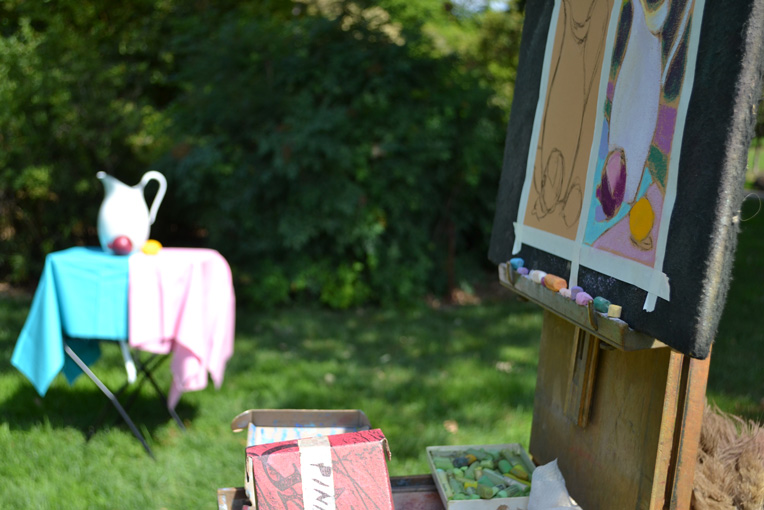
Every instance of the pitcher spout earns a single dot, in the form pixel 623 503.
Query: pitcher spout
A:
pixel 109 182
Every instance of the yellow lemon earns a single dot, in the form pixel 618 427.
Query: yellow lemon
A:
pixel 641 219
pixel 151 247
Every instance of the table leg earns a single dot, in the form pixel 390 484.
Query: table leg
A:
pixel 162 396
pixel 154 361
pixel 144 370
pixel 110 396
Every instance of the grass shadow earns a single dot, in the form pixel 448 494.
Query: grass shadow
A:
pixel 470 368
pixel 85 408
pixel 81 405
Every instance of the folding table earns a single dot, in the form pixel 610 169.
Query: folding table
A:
pixel 179 301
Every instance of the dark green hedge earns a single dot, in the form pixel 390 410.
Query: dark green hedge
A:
pixel 332 157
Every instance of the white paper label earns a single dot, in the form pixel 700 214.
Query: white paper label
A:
pixel 316 472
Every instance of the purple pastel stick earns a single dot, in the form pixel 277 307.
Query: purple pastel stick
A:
pixel 583 299
pixel 523 270
pixel 574 290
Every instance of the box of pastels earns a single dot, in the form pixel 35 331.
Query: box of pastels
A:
pixel 481 477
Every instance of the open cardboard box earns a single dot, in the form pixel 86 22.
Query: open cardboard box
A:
pixel 276 425
pixel 340 471
pixel 516 503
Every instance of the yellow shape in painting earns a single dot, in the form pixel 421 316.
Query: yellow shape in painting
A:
pixel 641 219
pixel 151 247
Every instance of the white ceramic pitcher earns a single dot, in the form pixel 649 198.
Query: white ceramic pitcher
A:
pixel 124 211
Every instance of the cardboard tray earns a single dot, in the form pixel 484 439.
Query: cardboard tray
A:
pixel 416 492
pixel 276 425
pixel 519 503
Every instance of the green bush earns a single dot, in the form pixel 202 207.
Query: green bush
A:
pixel 332 158
pixel 325 149
pixel 80 84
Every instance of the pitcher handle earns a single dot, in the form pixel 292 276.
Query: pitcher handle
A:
pixel 153 174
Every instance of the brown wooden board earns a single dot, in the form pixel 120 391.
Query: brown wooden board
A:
pixel 643 427
pixel 689 423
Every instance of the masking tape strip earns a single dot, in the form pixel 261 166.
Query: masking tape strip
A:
pixel 518 238
pixel 317 473
pixel 658 287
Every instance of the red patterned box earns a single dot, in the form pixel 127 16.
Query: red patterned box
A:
pixel 336 472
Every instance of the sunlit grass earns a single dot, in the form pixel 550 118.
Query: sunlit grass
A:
pixel 461 375
pixel 755 168
pixel 424 376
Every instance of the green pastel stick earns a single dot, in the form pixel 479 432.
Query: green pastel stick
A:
pixel 442 463
pixel 487 491
pixel 443 479
pixel 479 454
pixel 457 487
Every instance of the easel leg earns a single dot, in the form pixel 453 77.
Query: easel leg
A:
pixel 681 475
pixel 110 396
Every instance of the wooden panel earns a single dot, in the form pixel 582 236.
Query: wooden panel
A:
pixel 583 369
pixel 620 460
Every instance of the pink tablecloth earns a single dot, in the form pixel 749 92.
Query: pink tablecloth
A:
pixel 181 301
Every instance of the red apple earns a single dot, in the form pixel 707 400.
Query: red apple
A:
pixel 121 245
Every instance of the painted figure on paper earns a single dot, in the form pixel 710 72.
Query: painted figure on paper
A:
pixel 570 109
pixel 639 114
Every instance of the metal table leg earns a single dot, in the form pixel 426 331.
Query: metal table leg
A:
pixel 144 372
pixel 110 396
pixel 147 372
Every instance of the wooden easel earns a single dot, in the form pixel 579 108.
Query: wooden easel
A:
pixel 620 412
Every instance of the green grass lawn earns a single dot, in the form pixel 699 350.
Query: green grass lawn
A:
pixel 736 378
pixel 755 161
pixel 408 370
pixel 411 371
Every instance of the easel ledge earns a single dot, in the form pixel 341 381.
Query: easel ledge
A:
pixel 614 332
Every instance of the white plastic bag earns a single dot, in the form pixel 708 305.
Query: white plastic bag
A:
pixel 548 490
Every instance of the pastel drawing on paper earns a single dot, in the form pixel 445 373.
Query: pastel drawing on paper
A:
pixel 601 173
pixel 562 153
pixel 626 153
pixel 639 122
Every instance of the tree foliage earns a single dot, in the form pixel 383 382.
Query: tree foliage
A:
pixel 328 149
pixel 78 89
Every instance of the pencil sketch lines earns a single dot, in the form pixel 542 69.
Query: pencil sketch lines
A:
pixel 564 139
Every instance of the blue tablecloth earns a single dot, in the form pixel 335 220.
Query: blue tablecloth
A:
pixel 82 296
